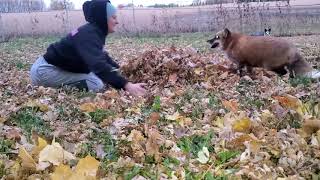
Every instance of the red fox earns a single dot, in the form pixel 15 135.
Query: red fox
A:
pixel 268 52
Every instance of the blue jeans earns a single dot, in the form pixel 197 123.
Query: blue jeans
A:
pixel 48 75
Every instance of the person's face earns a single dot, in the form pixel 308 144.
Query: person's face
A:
pixel 112 22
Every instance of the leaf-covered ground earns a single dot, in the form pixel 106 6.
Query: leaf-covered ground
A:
pixel 199 120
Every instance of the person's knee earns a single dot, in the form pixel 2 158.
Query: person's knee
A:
pixel 95 84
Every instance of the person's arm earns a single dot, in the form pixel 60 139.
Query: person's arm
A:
pixel 110 60
pixel 89 47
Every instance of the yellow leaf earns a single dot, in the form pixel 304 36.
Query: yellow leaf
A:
pixel 135 110
pixel 27 160
pixel 86 167
pixel 55 154
pixel 61 172
pixel 41 145
pixel 41 106
pixel 2 120
pixel 15 170
pixel 219 122
pixel 242 125
pixel 88 107
pixel 255 146
pixel 173 117
pixel 183 121
pixel 135 136
pixel 198 71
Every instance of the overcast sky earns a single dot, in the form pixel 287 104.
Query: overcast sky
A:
pixel 78 3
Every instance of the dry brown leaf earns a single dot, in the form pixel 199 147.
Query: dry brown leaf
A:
pixel 231 105
pixel 13 134
pixel 311 126
pixel 154 118
pixel 173 78
pixel 289 101
pixel 154 141
pixel 88 107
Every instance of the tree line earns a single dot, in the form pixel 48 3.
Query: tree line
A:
pixel 210 2
pixel 18 6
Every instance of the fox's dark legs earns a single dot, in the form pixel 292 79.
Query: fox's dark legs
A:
pixel 243 69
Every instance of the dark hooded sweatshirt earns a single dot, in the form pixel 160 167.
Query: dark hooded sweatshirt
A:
pixel 81 51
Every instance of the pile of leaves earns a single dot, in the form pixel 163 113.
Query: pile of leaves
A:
pixel 166 66
pixel 199 121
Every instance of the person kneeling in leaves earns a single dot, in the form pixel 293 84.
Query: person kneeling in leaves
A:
pixel 78 60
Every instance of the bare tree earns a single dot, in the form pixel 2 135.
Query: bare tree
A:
pixel 61 5
pixel 14 6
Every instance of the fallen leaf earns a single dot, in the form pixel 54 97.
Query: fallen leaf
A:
pixel 2 120
pixel 289 101
pixel 61 172
pixel 154 141
pixel 88 107
pixel 183 121
pixel 173 78
pixel 27 160
pixel 311 126
pixel 198 71
pixel 86 167
pixel 55 154
pixel 41 166
pixel 154 118
pixel 231 105
pixel 242 125
pixel 13 134
pixel 173 117
pixel 203 155
pixel 41 106
pixel 41 145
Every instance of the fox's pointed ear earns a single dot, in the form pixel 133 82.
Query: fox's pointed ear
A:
pixel 227 32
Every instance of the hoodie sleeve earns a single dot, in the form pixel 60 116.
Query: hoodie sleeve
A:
pixel 111 61
pixel 89 47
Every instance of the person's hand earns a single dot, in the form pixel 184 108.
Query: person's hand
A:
pixel 136 89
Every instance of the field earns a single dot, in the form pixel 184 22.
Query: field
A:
pixel 300 18
pixel 199 121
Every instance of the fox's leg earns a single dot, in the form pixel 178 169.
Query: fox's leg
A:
pixel 240 69
pixel 282 70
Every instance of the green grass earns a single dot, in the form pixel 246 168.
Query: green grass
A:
pixel 225 156
pixel 109 145
pixel 29 121
pixel 86 148
pixel 99 115
pixel 304 81
pixel 194 144
pixel 5 145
